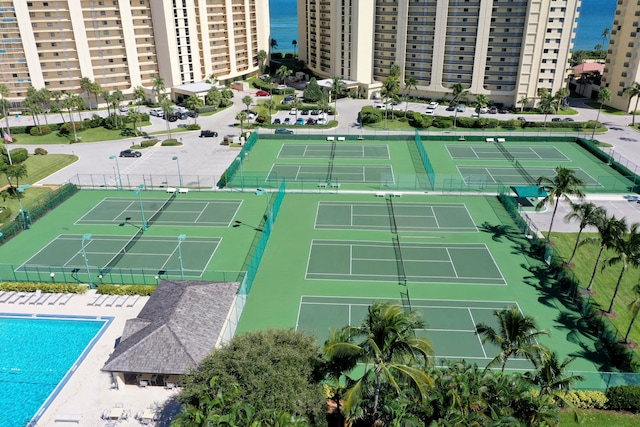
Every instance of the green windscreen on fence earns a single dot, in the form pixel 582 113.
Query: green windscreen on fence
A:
pixel 256 257
pixel 425 160
pixel 237 162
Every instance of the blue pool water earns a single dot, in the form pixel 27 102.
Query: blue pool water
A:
pixel 37 355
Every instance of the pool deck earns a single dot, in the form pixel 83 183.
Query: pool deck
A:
pixel 88 391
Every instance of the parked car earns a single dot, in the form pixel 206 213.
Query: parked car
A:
pixel 264 77
pixel 556 119
pixel 293 111
pixel 305 112
pixel 475 114
pixel 451 108
pixel 503 111
pixel 315 112
pixel 208 134
pixel 483 110
pixel 124 109
pixel 287 121
pixel 462 108
pixel 282 87
pixel 311 121
pixel 284 131
pixel 300 121
pixel 522 119
pixel 321 121
pixel 262 93
pixel 276 121
pixel 568 119
pixel 432 105
pixel 493 110
pixel 130 153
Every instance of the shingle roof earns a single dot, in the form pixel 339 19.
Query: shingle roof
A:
pixel 175 330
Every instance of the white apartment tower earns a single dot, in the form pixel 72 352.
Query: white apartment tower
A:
pixel 622 66
pixel 504 49
pixel 122 44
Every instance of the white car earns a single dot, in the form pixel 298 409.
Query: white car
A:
pixel 321 121
pixel 293 111
pixel 124 109
pixel 282 87
pixel 484 110
pixel 432 105
pixel 475 114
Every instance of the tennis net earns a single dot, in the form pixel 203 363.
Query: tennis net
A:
pixel 157 213
pixel 392 215
pixel 117 257
pixel 332 156
pixel 522 171
pixel 507 155
pixel 402 273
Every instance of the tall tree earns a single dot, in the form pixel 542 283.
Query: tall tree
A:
pixel 247 100
pixel 386 344
pixel 71 102
pixel 586 214
pixel 603 96
pixel 159 87
pixel 270 105
pixel 481 102
pixel 33 105
pixel 627 248
pixel 551 376
pixel 14 171
pixel 85 85
pixel 273 44
pixel 167 109
pixel 516 335
pixel 106 95
pixel 95 89
pixel 564 184
pixel 605 35
pixel 194 102
pixel 294 43
pixel 390 89
pixel 634 306
pixel 4 93
pixel 56 98
pixel 459 93
pixel 262 56
pixel 523 101
pixel 337 89
pixel 409 83
pixel 283 72
pixel 139 94
pixel 297 104
pixel 242 117
pixel 609 230
pixel 548 104
pixel 44 99
pixel 633 91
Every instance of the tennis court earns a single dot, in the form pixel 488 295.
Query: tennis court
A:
pixel 104 252
pixel 342 151
pixel 403 216
pixel 495 152
pixel 183 212
pixel 330 172
pixel 450 324
pixel 517 174
pixel 417 262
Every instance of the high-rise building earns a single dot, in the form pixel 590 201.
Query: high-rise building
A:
pixel 504 49
pixel 622 66
pixel 122 44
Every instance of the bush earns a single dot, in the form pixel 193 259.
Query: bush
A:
pixel 370 115
pixel 40 152
pixel 19 155
pixel 39 131
pixel 193 126
pixel 67 128
pixel 67 288
pixel 588 399
pixel 94 122
pixel 144 290
pixel 5 213
pixel 261 119
pixel 170 142
pixel 148 143
pixel 207 109
pixel 624 398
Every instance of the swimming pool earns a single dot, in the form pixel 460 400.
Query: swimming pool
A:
pixel 38 354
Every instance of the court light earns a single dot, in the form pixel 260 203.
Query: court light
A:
pixel 23 213
pixel 86 238
pixel 180 240
pixel 178 163
pixel 139 193
pixel 118 168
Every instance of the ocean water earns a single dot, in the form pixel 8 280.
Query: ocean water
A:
pixel 595 16
pixel 284 23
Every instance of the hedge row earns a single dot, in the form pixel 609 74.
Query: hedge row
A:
pixel 144 290
pixel 67 288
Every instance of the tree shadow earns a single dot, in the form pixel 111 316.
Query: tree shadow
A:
pixel 500 231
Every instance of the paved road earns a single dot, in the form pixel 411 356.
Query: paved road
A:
pixel 206 157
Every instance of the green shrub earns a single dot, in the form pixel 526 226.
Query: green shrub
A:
pixel 67 288
pixel 587 399
pixel 207 109
pixel 144 290
pixel 370 115
pixel 94 122
pixel 148 143
pixel 170 142
pixel 67 128
pixel 193 126
pixel 5 213
pixel 261 119
pixel 39 131
pixel 624 398
pixel 40 152
pixel 19 129
pixel 19 155
pixel 223 180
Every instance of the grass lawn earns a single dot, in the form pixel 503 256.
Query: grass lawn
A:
pixel 39 167
pixel 88 135
pixel 600 418
pixel 605 108
pixel 404 125
pixel 605 282
pixel 27 197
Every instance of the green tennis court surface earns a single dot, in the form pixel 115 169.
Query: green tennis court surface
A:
pixel 323 151
pixel 450 217
pixel 450 325
pixel 338 173
pixel 512 176
pixel 468 263
pixel 491 152
pixel 150 253
pixel 188 212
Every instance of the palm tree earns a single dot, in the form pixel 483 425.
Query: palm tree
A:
pixel 523 101
pixel 481 102
pixel 634 306
pixel 4 93
pixel 389 90
pixel 586 214
pixel 295 44
pixel 283 72
pixel 262 56
pixel 158 87
pixel 134 117
pixel 247 100
pixel 605 35
pixel 548 104
pixel 516 335
pixel 633 91
pixel 167 109
pixel 627 249
pixel 459 93
pixel 609 229
pixel 56 97
pixel 273 44
pixel 386 344
pixel 139 94
pixel 96 90
pixel 409 83
pixel 70 102
pixel 85 85
pixel 337 365
pixel 270 105
pixel 241 117
pixel 552 377
pixel 563 185
pixel 194 102
pixel 106 95
pixel 603 96
pixel 337 88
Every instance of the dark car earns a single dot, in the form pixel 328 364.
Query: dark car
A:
pixel 311 121
pixel 276 121
pixel 522 119
pixel 284 131
pixel 315 112
pixel 503 111
pixel 556 119
pixel 493 110
pixel 451 108
pixel 130 153
pixel 208 134
pixel 305 112
pixel 568 119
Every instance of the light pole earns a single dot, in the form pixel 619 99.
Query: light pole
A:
pixel 118 169
pixel 180 240
pixel 178 163
pixel 53 277
pixel 23 213
pixel 240 159
pixel 139 193
pixel 85 238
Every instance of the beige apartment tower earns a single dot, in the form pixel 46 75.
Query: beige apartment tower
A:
pixel 622 66
pixel 504 49
pixel 122 44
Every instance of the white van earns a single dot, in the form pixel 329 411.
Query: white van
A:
pixel 156 112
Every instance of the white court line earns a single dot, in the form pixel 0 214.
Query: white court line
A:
pixel 473 321
pixel 453 265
